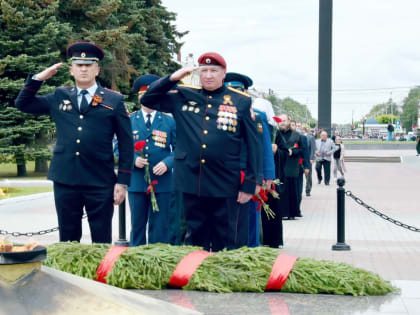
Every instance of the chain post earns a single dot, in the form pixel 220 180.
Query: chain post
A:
pixel 341 242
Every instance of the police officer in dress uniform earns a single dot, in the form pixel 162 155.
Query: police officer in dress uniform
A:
pixel 247 227
pixel 87 116
pixel 210 121
pixel 158 130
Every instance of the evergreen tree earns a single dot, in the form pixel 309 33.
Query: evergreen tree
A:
pixel 138 37
pixel 31 39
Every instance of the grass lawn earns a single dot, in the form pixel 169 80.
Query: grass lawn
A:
pixel 9 170
pixel 11 192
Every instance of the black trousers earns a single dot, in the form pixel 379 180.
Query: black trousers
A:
pixel 327 170
pixel 99 205
pixel 309 181
pixel 273 227
pixel 208 221
pixel 300 190
pixel 239 225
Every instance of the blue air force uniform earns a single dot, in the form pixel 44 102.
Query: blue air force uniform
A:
pixel 82 166
pixel 160 143
pixel 210 126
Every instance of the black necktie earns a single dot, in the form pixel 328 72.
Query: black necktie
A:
pixel 84 104
pixel 148 122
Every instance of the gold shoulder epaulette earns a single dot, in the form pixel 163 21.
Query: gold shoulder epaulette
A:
pixel 239 92
pixel 190 86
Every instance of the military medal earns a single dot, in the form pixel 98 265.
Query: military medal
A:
pixel 60 107
pixel 224 127
pixel 190 109
pixel 184 108
pixel 196 110
pixel 192 103
pixel 64 107
pixel 227 100
pixel 69 107
pixel 66 102
pixel 233 129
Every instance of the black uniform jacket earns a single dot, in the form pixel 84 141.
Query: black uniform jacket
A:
pixel 209 128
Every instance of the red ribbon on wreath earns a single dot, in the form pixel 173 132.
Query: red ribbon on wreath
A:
pixel 186 268
pixel 282 266
pixel 108 262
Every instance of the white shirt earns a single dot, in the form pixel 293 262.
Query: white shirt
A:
pixel 153 114
pixel 89 96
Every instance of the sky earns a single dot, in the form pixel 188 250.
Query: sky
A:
pixel 376 47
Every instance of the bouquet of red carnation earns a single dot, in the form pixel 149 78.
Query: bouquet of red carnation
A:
pixel 262 197
pixel 138 149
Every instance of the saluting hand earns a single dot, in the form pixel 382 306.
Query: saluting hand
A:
pixel 119 194
pixel 182 73
pixel 49 72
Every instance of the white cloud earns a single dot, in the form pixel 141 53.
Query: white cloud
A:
pixel 375 45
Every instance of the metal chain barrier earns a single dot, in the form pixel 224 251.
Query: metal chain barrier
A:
pixel 42 232
pixel 380 214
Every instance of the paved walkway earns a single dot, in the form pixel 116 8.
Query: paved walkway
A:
pixel 376 244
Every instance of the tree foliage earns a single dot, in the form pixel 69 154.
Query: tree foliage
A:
pixel 410 109
pixel 31 39
pixel 138 37
pixel 386 119
pixel 389 107
pixel 293 108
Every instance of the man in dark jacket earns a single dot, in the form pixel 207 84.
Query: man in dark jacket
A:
pixel 211 122
pixel 87 116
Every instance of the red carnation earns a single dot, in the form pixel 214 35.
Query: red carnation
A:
pixel 296 145
pixel 277 119
pixel 300 161
pixel 139 145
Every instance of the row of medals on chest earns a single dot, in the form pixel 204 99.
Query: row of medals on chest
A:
pixel 159 137
pixel 227 118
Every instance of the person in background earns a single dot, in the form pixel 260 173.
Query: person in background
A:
pixel 304 163
pixel 289 202
pixel 323 154
pixel 338 157
pixel 247 228
pixel 158 130
pixel 273 227
pixel 418 142
pixel 312 147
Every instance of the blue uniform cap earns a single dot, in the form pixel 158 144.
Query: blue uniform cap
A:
pixel 142 82
pixel 237 80
pixel 84 53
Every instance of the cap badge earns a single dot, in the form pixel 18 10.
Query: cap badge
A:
pixel 208 60
pixel 83 55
